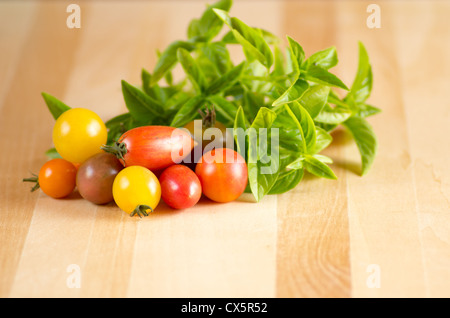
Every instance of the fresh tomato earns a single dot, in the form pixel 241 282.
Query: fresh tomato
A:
pixel 95 177
pixel 223 174
pixel 136 190
pixel 152 147
pixel 78 134
pixel 56 178
pixel 209 134
pixel 180 187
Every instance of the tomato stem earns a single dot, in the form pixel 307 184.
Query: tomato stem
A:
pixel 118 149
pixel 208 117
pixel 33 179
pixel 141 210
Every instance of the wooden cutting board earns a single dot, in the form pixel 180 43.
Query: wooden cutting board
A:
pixel 382 235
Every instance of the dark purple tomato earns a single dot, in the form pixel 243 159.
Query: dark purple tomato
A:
pixel 95 177
pixel 180 187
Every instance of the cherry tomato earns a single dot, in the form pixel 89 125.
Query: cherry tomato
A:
pixel 223 174
pixel 95 177
pixel 78 134
pixel 180 187
pixel 152 147
pixel 56 178
pixel 136 190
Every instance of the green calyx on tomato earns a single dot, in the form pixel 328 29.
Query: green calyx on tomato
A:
pixel 119 149
pixel 141 210
pixel 34 179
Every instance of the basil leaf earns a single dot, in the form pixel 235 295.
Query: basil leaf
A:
pixel 307 124
pixel 219 57
pixel 323 158
pixel 55 106
pixel 287 181
pixel 142 107
pixel 191 69
pixel 323 140
pixel 168 59
pixel 292 138
pixel 117 126
pixel 209 24
pixel 52 153
pixel 365 139
pixel 297 55
pixel 262 165
pixel 319 75
pixel 318 168
pixel 325 59
pixel 252 102
pixel 193 30
pixel 314 99
pixel 333 115
pixel 240 127
pixel 362 84
pixel 188 111
pixel 225 81
pixel 366 110
pixel 253 43
pixel 279 67
pixel 293 93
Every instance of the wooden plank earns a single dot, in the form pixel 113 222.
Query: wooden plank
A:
pixel 385 243
pixel 25 126
pixel 313 252
pixel 422 50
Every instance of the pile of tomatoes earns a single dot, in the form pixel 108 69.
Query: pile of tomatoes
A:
pixel 138 170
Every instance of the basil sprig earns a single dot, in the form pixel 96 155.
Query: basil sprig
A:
pixel 294 97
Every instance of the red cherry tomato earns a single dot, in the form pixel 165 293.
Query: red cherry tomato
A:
pixel 152 147
pixel 180 187
pixel 223 174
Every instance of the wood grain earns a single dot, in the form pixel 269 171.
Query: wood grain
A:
pixel 323 239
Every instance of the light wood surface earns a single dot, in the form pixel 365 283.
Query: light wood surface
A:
pixel 322 239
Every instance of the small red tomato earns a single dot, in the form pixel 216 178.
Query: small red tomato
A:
pixel 152 147
pixel 56 178
pixel 223 174
pixel 180 187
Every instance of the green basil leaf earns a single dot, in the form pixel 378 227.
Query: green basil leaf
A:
pixel 188 112
pixel 269 37
pixel 193 30
pixel 366 110
pixel 293 93
pixel 240 127
pixel 142 107
pixel 168 59
pixel 279 64
pixel 323 140
pixel 362 85
pixel 209 24
pixel 292 138
pixel 324 159
pixel 287 181
pixel 314 99
pixel 307 124
pixel 225 81
pixel 365 139
pixel 262 165
pixel 52 154
pixel 118 125
pixel 333 115
pixel 218 55
pixel 252 102
pixel 319 75
pixel 326 127
pixel 297 55
pixel 253 43
pixel 192 70
pixel 325 59
pixel 55 106
pixel 318 168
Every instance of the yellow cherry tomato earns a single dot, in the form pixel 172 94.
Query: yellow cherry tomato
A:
pixel 78 134
pixel 136 190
